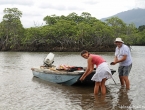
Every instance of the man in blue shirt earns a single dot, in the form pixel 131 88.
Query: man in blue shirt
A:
pixel 123 57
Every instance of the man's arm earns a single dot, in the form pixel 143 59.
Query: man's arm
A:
pixel 117 61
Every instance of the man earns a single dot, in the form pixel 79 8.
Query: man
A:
pixel 123 57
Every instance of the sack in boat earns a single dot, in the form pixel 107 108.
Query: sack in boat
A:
pixel 75 69
pixel 63 67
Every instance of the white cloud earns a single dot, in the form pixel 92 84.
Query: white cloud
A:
pixel 18 2
pixel 34 11
pixel 91 2
pixel 140 3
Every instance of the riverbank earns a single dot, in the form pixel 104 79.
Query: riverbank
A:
pixel 61 49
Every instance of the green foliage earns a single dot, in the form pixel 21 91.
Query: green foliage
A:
pixel 126 32
pixel 63 33
pixel 118 25
pixel 140 39
pixel 11 28
pixel 141 28
pixel 51 20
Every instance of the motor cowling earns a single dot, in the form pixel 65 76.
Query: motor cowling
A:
pixel 49 60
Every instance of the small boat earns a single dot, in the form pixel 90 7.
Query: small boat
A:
pixel 61 76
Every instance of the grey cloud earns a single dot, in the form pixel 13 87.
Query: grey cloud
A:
pixel 140 3
pixel 91 2
pixel 74 8
pixel 1 12
pixel 32 14
pixel 50 6
pixel 59 7
pixel 16 2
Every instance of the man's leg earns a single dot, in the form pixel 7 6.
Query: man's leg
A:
pixel 126 71
pixel 127 83
pixel 121 80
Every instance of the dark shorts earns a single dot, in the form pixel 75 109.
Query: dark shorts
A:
pixel 124 70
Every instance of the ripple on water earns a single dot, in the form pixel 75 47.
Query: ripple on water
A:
pixel 19 90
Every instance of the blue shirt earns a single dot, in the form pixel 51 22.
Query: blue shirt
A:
pixel 123 50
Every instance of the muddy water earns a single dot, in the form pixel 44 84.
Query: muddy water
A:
pixel 19 90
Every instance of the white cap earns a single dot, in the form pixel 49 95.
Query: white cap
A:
pixel 118 40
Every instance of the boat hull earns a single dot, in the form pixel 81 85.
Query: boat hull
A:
pixel 63 77
pixel 66 79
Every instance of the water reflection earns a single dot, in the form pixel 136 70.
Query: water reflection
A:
pixel 70 97
pixel 79 97
pixel 124 102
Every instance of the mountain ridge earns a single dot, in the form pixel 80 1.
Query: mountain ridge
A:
pixel 136 16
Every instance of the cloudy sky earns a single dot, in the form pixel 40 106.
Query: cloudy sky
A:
pixel 35 10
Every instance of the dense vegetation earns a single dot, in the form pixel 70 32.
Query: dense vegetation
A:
pixel 66 33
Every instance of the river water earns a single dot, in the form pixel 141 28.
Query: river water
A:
pixel 19 90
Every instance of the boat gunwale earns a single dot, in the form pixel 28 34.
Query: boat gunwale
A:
pixel 57 72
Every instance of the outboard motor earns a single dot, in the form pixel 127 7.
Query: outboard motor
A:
pixel 48 61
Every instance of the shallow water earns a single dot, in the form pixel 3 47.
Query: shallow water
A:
pixel 19 90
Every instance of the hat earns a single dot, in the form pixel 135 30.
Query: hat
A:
pixel 118 40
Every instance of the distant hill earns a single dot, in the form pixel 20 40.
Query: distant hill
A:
pixel 136 16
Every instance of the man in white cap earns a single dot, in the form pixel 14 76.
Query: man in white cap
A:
pixel 123 57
